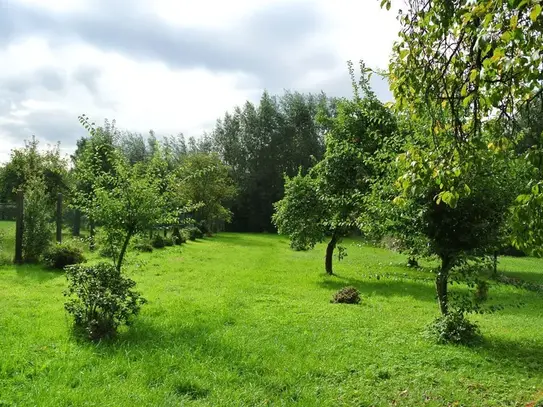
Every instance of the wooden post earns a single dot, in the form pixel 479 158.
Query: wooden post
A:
pixel 76 230
pixel 19 228
pixel 59 218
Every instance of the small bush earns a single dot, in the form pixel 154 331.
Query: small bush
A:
pixel 144 247
pixel 100 299
pixel 481 291
pixel 169 241
pixel 347 295
pixel 453 328
pixel 63 254
pixel 177 237
pixel 158 241
pixel 37 218
pixel 193 233
pixel 512 251
pixel 202 226
pixel 106 251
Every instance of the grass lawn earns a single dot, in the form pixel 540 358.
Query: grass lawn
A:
pixel 241 320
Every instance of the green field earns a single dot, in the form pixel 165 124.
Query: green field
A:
pixel 241 320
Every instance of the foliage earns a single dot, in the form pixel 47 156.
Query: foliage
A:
pixel 330 199
pixel 158 241
pixel 481 293
pixel 299 214
pixel 29 162
pixel 61 255
pixel 169 241
pixel 143 245
pixel 261 143
pixel 347 295
pixel 131 205
pixel 100 299
pixel 453 328
pixel 465 72
pixel 95 162
pixel 126 199
pixel 37 220
pixel 206 180
pixel 192 232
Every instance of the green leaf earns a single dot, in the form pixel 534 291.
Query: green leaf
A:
pixel 536 11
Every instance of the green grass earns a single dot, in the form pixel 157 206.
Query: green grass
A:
pixel 241 320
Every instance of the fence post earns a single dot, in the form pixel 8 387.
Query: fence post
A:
pixel 76 231
pixel 59 218
pixel 19 228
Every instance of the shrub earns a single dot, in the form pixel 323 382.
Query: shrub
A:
pixel 347 295
pixel 202 226
pixel 106 251
pixel 193 233
pixel 63 254
pixel 510 250
pixel 481 291
pixel 37 218
pixel 100 299
pixel 143 246
pixel 169 241
pixel 453 328
pixel 158 241
pixel 177 237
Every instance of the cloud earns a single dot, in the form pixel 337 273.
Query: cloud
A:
pixel 173 66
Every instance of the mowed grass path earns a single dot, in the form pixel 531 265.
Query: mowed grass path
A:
pixel 241 320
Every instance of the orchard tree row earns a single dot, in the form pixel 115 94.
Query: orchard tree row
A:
pixel 453 168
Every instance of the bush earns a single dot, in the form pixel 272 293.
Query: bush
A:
pixel 512 251
pixel 177 237
pixel 193 233
pixel 144 247
pixel 37 218
pixel 453 328
pixel 107 251
pixel 63 254
pixel 347 295
pixel 100 299
pixel 481 291
pixel 202 226
pixel 158 241
pixel 169 241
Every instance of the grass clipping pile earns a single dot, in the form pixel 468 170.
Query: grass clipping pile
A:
pixel 347 295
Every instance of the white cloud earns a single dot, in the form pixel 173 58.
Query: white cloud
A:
pixel 59 79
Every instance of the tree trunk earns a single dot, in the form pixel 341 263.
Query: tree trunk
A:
pixel 176 234
pixel 330 253
pixel 19 228
pixel 123 251
pixel 59 218
pixel 92 233
pixel 442 280
pixel 495 264
pixel 76 231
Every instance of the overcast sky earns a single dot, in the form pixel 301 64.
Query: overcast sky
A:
pixel 172 65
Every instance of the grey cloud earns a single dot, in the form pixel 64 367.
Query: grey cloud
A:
pixel 256 46
pixel 88 76
pixel 47 77
pixel 51 126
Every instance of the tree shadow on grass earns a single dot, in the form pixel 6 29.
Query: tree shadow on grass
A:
pixel 523 356
pixel 386 287
pixel 146 340
pixel 35 272
pixel 243 240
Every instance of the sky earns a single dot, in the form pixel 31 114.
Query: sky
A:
pixel 174 66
